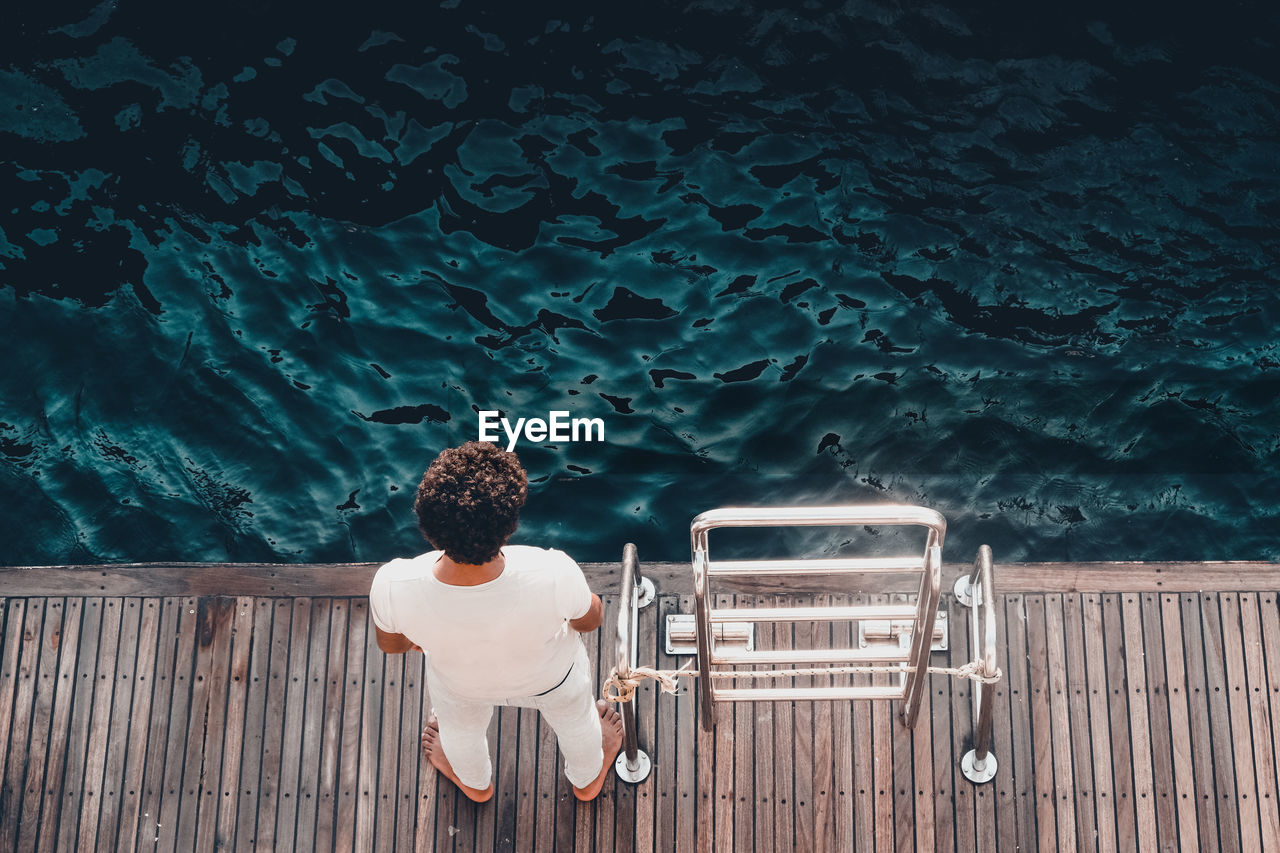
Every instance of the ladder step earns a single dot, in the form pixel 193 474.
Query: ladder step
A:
pixel 885 653
pixel 826 566
pixel 775 694
pixel 880 612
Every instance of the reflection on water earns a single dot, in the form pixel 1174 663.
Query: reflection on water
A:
pixel 256 268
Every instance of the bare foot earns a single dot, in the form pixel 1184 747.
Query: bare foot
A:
pixel 611 727
pixel 431 749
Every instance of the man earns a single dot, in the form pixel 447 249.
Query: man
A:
pixel 499 624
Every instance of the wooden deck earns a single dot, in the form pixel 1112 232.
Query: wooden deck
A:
pixel 1131 719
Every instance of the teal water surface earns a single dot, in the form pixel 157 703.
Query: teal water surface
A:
pixel 258 266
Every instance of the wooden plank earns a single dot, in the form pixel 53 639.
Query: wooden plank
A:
pixel 28 678
pixel 602 651
pixel 368 803
pixel 209 616
pixel 257 683
pixel 921 742
pixel 186 715
pixel 313 722
pixel 782 741
pixel 1164 798
pixel 1198 713
pixel 1002 735
pixel 984 802
pixel 412 720
pixel 14 610
pixel 234 686
pixel 687 759
pixel 40 763
pixel 270 793
pixel 965 793
pixel 429 813
pixel 1099 723
pixel 387 750
pixel 525 794
pixel 804 635
pixel 943 734
pixel 903 772
pixel 824 821
pixel 1216 689
pixel 291 737
pixel 159 720
pixel 917 743
pixel 1139 721
pixel 507 795
pixel 120 722
pixel 354 579
pixel 77 743
pixel 134 782
pixel 646 791
pixel 331 741
pixel 584 826
pixel 1270 620
pixel 1121 743
pixel 547 776
pixel 1184 787
pixel 1020 758
pixel 1260 721
pixel 842 636
pixel 213 744
pixel 884 716
pixel 1238 704
pixel 1076 689
pixel 1064 782
pixel 59 729
pixel 1041 725
pixel 662 749
pixel 100 726
pixel 725 795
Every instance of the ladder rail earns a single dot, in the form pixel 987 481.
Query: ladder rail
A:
pixel 930 569
pixel 983 631
pixel 922 634
pixel 633 764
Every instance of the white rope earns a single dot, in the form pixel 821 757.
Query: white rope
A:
pixel 621 687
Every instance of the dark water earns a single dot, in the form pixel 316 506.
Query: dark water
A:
pixel 259 262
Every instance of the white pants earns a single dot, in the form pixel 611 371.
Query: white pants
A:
pixel 570 709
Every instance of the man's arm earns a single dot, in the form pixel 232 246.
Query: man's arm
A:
pixel 590 620
pixel 394 644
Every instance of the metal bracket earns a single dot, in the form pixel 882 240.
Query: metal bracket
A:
pixel 682 634
pixel 647 593
pixel 899 630
pixel 963 595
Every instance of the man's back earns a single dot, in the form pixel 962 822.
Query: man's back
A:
pixel 507 637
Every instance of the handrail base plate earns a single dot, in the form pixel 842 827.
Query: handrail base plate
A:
pixel 972 773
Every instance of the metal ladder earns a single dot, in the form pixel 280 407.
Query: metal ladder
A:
pixel 910 661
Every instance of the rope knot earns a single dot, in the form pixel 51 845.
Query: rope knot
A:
pixel 621 686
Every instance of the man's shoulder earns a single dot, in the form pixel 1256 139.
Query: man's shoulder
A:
pixel 406 568
pixel 535 557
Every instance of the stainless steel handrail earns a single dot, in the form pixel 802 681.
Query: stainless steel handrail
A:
pixel 930 569
pixel 922 633
pixel 979 764
pixel 632 764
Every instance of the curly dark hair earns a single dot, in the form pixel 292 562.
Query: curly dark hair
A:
pixel 469 501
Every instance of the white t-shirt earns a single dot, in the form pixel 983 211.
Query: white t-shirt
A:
pixel 502 639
